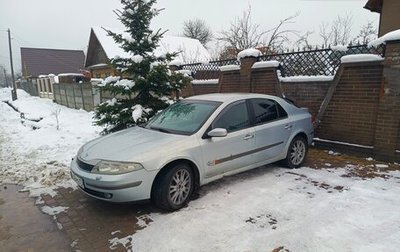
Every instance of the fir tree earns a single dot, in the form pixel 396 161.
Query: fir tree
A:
pixel 145 82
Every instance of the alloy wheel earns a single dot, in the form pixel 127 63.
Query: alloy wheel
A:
pixel 298 152
pixel 180 186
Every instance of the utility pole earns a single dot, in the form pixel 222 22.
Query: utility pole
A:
pixel 14 91
pixel 5 76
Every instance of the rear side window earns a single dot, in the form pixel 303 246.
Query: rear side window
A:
pixel 234 118
pixel 266 110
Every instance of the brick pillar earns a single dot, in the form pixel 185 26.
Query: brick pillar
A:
pixel 265 81
pixel 245 73
pixel 387 139
pixel 186 91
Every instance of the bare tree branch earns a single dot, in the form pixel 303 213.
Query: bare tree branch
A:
pixel 243 34
pixel 367 33
pixel 197 29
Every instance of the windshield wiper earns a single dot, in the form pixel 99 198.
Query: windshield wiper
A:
pixel 160 129
pixel 142 125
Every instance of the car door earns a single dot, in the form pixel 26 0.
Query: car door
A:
pixel 223 154
pixel 272 128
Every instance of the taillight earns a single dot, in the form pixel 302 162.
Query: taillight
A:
pixel 312 119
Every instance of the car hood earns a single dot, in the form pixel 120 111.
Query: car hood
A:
pixel 127 145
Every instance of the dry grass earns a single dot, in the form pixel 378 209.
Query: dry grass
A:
pixel 355 166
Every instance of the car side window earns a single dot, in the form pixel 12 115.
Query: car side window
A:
pixel 234 118
pixel 266 110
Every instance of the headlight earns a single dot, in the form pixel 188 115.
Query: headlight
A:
pixel 112 168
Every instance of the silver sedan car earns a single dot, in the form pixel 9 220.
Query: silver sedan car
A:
pixel 191 143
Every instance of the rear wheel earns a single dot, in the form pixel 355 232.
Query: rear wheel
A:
pixel 297 152
pixel 174 188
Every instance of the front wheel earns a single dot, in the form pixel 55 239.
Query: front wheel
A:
pixel 174 188
pixel 297 152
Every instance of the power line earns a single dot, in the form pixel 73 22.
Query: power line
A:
pixel 20 39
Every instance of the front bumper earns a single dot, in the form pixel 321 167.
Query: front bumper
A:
pixel 132 186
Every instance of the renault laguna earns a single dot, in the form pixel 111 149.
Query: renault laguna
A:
pixel 191 143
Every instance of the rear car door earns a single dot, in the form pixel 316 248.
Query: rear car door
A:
pixel 272 128
pixel 223 154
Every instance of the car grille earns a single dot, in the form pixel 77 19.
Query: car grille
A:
pixel 84 166
pixel 96 193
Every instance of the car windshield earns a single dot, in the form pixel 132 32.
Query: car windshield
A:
pixel 185 117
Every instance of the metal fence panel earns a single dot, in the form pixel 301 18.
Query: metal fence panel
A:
pixel 311 62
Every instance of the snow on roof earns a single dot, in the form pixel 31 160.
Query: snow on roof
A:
pixel 361 58
pixel 263 64
pixel 251 52
pixel 175 62
pixel 191 50
pixel 390 36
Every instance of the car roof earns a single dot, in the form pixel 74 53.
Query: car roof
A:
pixel 229 97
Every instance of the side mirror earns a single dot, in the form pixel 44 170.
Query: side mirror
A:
pixel 218 132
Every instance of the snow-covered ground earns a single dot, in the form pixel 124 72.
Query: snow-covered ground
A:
pixel 39 158
pixel 300 210
pixel 268 208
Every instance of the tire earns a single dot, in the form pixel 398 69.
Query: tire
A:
pixel 297 152
pixel 174 188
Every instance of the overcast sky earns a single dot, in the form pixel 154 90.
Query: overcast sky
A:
pixel 65 24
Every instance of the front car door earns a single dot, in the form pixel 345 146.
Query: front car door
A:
pixel 223 154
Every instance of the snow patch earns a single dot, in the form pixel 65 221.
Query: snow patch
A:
pixel 126 84
pixel 251 52
pixel 390 36
pixel 361 58
pixel 382 166
pixel 109 79
pixel 333 153
pixel 115 232
pixel 53 210
pixel 126 242
pixel 154 64
pixel 306 78
pixel 137 112
pixel 343 143
pixel 186 73
pixel 229 68
pixel 340 48
pixel 175 62
pixel 264 64
pixel 111 102
pixel 39 159
pixel 137 58
pixel 205 82
pixel 70 74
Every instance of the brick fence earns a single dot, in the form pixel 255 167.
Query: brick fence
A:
pixel 359 109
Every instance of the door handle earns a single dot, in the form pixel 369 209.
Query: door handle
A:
pixel 288 127
pixel 247 137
